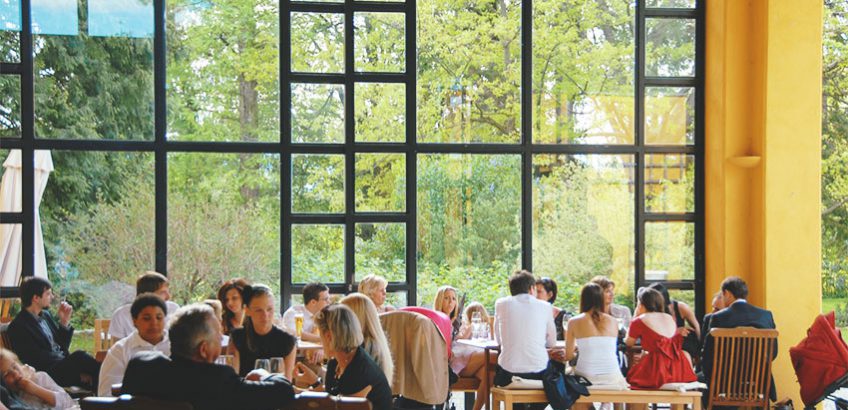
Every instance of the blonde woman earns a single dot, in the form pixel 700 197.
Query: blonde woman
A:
pixel 466 361
pixel 372 331
pixel 36 390
pixel 374 286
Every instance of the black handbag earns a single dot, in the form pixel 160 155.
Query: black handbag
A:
pixel 563 390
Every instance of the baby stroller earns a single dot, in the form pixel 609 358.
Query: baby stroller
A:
pixel 821 363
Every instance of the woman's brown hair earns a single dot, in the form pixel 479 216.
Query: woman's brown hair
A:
pixel 592 302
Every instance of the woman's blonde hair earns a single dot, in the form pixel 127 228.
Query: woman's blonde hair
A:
pixel 343 325
pixel 372 283
pixel 372 331
pixel 6 354
pixel 476 307
pixel 441 300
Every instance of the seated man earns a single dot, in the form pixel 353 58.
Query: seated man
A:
pixel 315 297
pixel 737 313
pixel 191 374
pixel 524 327
pixel 43 344
pixel 121 324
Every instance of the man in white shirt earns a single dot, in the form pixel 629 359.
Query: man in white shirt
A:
pixel 315 297
pixel 121 324
pixel 148 313
pixel 524 328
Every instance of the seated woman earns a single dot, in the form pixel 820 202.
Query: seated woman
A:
pixel 595 334
pixel 35 390
pixel 374 286
pixel 148 314
pixel 682 314
pixel 465 361
pixel 546 289
pixel 350 371
pixel 621 313
pixel 375 343
pixel 232 299
pixel 259 338
pixel 664 360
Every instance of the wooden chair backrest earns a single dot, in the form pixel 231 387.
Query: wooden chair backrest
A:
pixel 102 338
pixel 4 336
pixel 741 371
pixel 6 308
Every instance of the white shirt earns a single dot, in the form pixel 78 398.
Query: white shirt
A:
pixel 621 312
pixel 113 367
pixel 121 324
pixel 288 319
pixel 63 399
pixel 524 327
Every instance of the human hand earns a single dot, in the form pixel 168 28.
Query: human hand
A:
pixel 557 355
pixel 316 357
pixel 304 376
pixel 64 313
pixel 683 331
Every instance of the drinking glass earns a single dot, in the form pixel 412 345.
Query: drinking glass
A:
pixel 298 325
pixel 263 364
pixel 225 359
pixel 277 365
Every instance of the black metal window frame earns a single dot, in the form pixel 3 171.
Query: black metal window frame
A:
pixel 161 147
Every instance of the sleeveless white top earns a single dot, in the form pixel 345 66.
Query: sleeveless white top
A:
pixel 597 356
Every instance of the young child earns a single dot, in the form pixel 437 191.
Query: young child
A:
pixel 34 389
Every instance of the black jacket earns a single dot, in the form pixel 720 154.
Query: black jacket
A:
pixel 738 314
pixel 206 386
pixel 32 346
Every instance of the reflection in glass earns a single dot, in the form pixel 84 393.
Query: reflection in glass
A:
pixel 469 230
pixel 10 27
pixel 52 17
pixel 669 183
pixel 670 250
pixel 380 112
pixel 223 220
pixel 381 250
pixel 670 115
pixel 583 220
pixel 469 70
pixel 583 72
pixel 380 182
pixel 379 42
pixel 669 47
pixel 120 18
pixel 317 113
pixel 10 106
pixel 690 4
pixel 317 183
pixel 318 253
pixel 317 42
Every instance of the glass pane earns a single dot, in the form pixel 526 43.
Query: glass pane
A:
pixel 685 296
pixel 469 224
pixel 380 112
pixel 317 113
pixel 669 47
pixel 379 42
pixel 14 251
pixel 380 182
pixel 469 71
pixel 318 183
pixel 56 17
pixel 10 15
pixel 91 87
pixel 669 183
pixel 97 218
pixel 10 27
pixel 317 41
pixel 397 299
pixel 670 115
pixel 583 221
pixel 10 106
pixel 670 250
pixel 583 72
pixel 689 4
pixel 233 96
pixel 381 250
pixel 318 253
pixel 120 18
pixel 223 221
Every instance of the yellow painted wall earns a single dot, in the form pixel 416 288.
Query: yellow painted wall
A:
pixel 763 160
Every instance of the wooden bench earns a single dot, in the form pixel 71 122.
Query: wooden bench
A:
pixel 303 401
pixel 513 396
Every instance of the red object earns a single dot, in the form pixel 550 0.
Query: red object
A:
pixel 664 361
pixel 442 321
pixel 820 359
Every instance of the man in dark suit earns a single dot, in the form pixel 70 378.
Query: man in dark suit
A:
pixel 738 313
pixel 43 343
pixel 191 375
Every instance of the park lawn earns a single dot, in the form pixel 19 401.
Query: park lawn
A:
pixel 83 341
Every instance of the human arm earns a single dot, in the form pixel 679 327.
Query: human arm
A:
pixel 689 315
pixel 290 360
pixel 305 378
pixel 111 371
pixel 634 332
pixel 570 343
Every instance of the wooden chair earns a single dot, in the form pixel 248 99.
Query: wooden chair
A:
pixel 102 338
pixel 127 402
pixel 321 400
pixel 6 309
pixel 741 374
pixel 4 336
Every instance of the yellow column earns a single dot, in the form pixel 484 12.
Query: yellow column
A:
pixel 763 141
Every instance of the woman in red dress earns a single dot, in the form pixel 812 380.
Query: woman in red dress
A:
pixel 663 360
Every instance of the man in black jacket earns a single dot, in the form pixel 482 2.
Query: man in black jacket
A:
pixel 42 343
pixel 738 313
pixel 191 375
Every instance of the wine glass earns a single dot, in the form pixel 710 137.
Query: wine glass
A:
pixel 263 364
pixel 277 365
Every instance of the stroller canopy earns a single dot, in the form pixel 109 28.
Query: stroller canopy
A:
pixel 820 360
